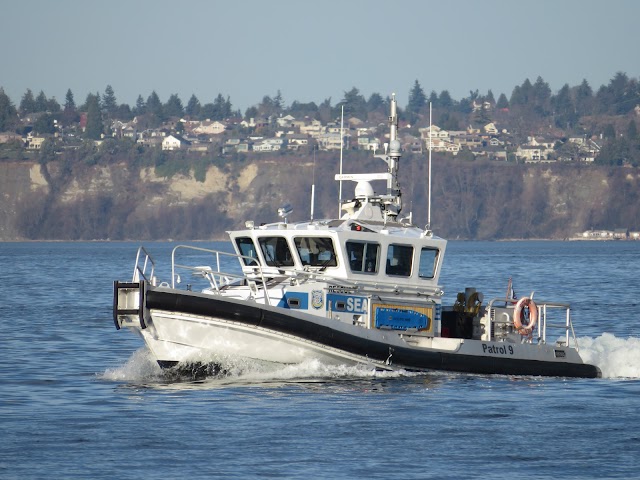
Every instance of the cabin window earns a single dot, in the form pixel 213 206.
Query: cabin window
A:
pixel 428 262
pixel 363 256
pixel 316 251
pixel 248 249
pixel 276 251
pixel 399 258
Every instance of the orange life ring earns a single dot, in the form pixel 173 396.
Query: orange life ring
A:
pixel 523 303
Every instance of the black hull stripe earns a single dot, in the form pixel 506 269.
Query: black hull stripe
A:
pixel 242 313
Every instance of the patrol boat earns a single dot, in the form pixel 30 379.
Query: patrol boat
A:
pixel 361 289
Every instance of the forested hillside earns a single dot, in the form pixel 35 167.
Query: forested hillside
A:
pixel 563 162
pixel 61 200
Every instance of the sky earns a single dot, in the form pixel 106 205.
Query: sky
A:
pixel 310 51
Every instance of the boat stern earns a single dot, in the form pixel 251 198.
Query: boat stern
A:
pixel 129 306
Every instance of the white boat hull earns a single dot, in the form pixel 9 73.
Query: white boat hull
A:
pixel 187 327
pixel 180 338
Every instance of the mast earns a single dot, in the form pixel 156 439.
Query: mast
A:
pixel 430 149
pixel 390 203
pixel 341 143
pixel 394 202
pixel 313 184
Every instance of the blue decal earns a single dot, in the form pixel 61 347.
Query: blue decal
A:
pixel 347 303
pixel 294 300
pixel 399 319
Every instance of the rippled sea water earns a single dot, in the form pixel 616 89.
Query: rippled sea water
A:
pixel 79 399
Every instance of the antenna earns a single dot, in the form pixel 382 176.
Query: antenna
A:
pixel 430 148
pixel 313 183
pixel 341 143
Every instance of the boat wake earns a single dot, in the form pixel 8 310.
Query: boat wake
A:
pixel 616 357
pixel 141 368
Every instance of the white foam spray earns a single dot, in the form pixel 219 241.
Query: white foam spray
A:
pixel 616 357
pixel 139 368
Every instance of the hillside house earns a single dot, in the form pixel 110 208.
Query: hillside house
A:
pixel 295 141
pixel 174 142
pixel 330 141
pixel 313 129
pixel 209 128
pixel 442 145
pixel 34 143
pixel 434 132
pixel 368 143
pixel 533 154
pixel 286 121
pixel 467 140
pixel 491 129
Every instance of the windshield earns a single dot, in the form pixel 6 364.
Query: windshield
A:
pixel 316 251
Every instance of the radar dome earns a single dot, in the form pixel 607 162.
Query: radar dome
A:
pixel 394 146
pixel 364 190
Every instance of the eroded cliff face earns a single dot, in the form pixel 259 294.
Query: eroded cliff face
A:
pixel 473 200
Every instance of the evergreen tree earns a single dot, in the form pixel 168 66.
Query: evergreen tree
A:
pixel 325 110
pixel 565 111
pixel 154 106
pixel 53 106
pixel 300 110
pixel 521 94
pixel 355 104
pixel 193 107
pixel 614 152
pixel 278 102
pixel 8 113
pixel 44 124
pixel 490 98
pixel 584 98
pixel 70 113
pixel 95 126
pixel 228 108
pixel 28 103
pixel 173 107
pixel 541 95
pixel 445 100
pixel 109 103
pixel 266 107
pixel 141 106
pixel 124 112
pixel 465 106
pixel 481 116
pixel 69 102
pixel 433 99
pixel 208 112
pixel 41 102
pixel 375 102
pixel 91 97
pixel 417 99
pixel 502 102
pixel 251 112
pixel 221 108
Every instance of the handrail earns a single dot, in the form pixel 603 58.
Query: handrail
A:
pixel 137 271
pixel 543 323
pixel 365 286
pixel 216 276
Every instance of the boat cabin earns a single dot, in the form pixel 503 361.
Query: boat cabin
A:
pixel 345 249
